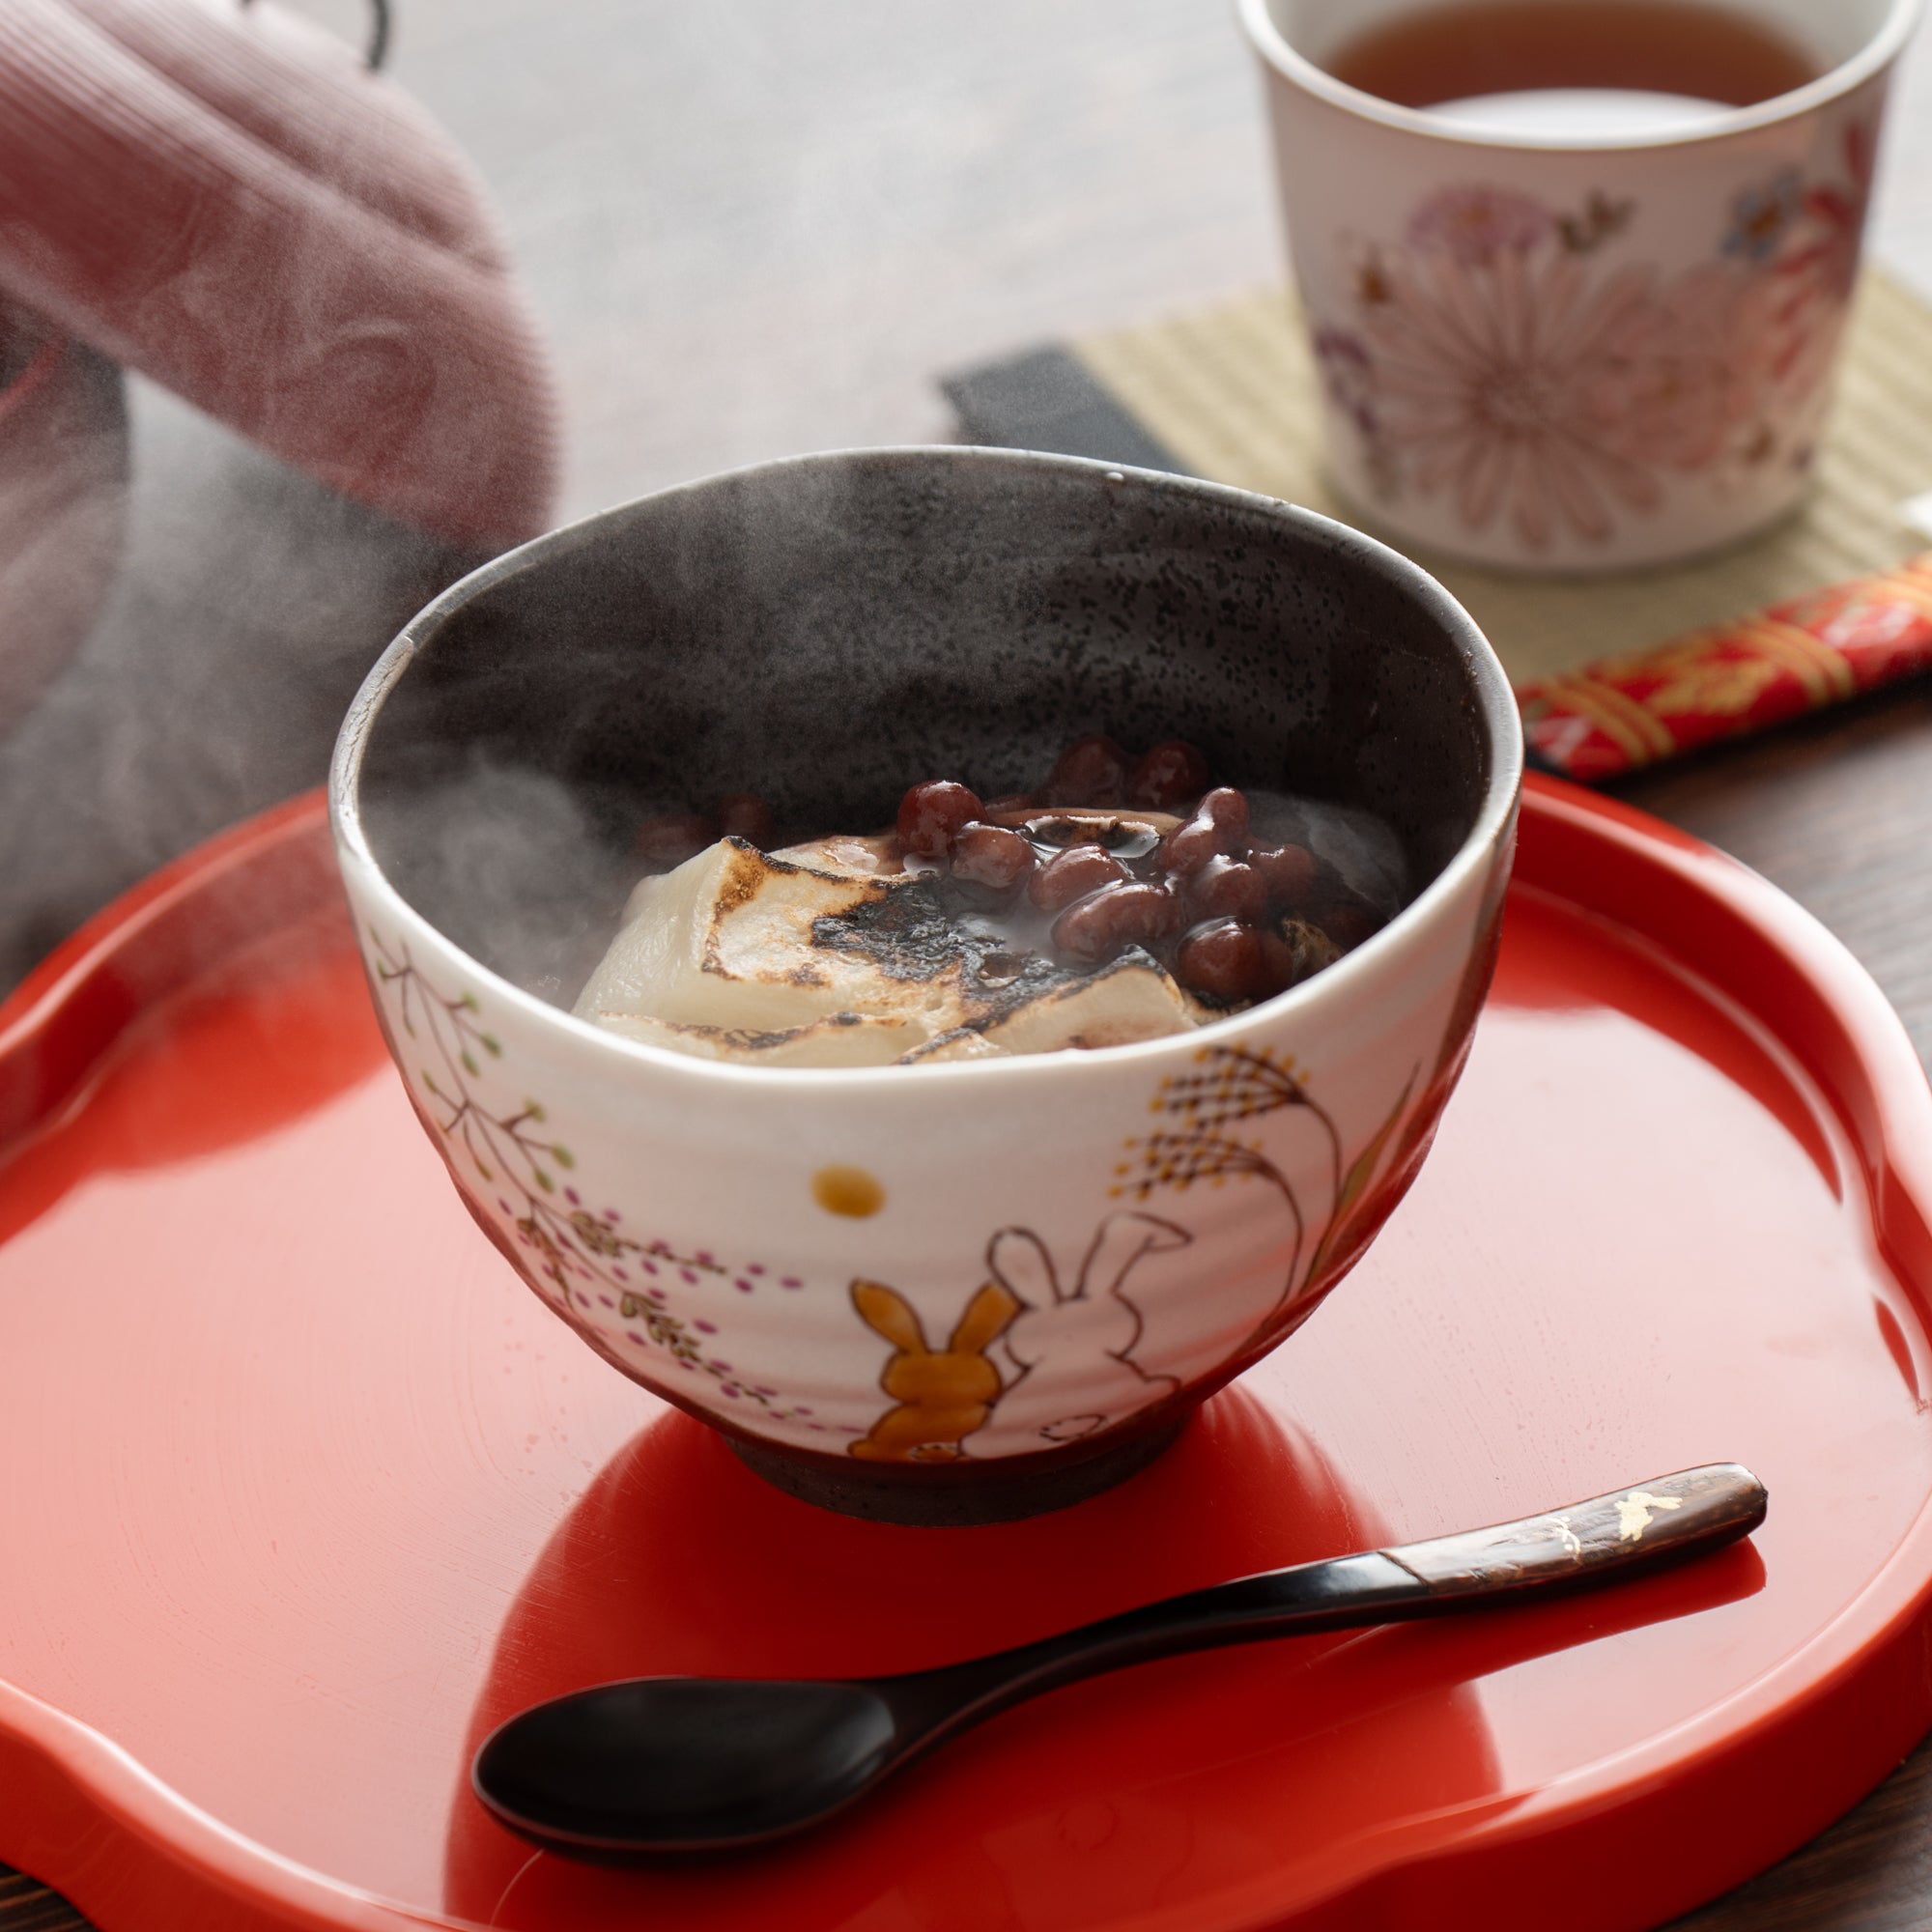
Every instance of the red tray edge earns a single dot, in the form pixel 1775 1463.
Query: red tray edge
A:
pixel 59 1024
pixel 123 1846
pixel 115 1839
pixel 84 949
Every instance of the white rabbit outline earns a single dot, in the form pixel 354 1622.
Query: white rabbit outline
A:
pixel 1076 1344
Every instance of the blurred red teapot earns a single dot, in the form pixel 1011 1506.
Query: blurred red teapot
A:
pixel 63 500
pixel 232 203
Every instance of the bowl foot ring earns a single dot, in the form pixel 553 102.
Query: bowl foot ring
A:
pixel 948 1495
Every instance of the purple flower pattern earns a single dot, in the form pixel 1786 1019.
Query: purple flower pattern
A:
pixel 573 1255
pixel 1490 364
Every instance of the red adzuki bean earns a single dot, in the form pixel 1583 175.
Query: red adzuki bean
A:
pixel 1227 888
pixel 1071 876
pixel 932 814
pixel 1224 961
pixel 1113 919
pixel 1091 771
pixel 1349 921
pixel 1188 847
pixel 989 855
pixel 742 815
pixel 1290 872
pixel 1167 775
pixel 1280 965
pixel 1226 812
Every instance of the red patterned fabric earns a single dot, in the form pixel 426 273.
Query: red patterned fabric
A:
pixel 1621 713
pixel 227 202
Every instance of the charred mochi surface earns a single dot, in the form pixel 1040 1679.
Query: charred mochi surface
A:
pixel 819 956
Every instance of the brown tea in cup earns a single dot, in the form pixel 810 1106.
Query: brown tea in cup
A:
pixel 1680 49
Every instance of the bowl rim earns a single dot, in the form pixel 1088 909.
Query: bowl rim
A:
pixel 1839 82
pixel 1495 704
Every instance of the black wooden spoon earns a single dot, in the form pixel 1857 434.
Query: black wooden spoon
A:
pixel 685 1764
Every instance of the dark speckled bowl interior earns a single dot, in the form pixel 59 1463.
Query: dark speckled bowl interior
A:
pixel 827 629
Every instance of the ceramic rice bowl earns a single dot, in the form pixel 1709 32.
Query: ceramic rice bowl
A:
pixel 962 1292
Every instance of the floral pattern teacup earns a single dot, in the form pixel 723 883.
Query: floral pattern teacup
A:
pixel 1570 353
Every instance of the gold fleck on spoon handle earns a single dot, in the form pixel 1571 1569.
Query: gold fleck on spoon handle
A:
pixel 1653 1521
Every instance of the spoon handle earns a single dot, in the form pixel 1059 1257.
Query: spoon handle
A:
pixel 1608 1536
pixel 1600 1541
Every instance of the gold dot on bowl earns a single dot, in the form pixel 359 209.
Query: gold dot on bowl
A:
pixel 847 1190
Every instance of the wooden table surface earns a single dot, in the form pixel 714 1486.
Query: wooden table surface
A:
pixel 753 227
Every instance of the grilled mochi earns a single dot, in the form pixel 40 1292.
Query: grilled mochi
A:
pixel 831 955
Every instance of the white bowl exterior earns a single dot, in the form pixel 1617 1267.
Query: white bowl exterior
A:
pixel 679 1232
pixel 1572 357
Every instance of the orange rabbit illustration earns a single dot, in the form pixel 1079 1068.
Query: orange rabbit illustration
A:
pixel 943 1394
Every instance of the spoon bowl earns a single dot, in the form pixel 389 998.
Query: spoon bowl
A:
pixel 688 1753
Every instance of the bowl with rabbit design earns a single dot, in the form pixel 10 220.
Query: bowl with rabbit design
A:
pixel 995 1271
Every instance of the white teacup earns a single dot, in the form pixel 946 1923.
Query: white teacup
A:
pixel 1567 343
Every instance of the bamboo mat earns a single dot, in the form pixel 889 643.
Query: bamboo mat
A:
pixel 1231 392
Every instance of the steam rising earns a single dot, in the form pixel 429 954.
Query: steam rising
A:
pixel 516 869
pixel 1365 853
pixel 248 607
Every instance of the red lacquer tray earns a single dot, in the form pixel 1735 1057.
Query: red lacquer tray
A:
pixel 303 1491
